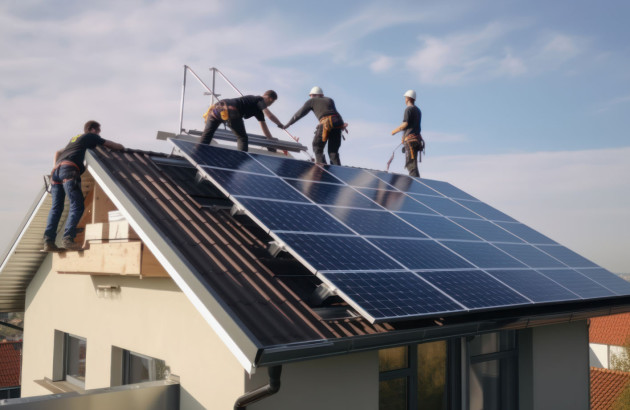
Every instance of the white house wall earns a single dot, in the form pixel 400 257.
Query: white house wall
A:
pixel 148 316
pixel 598 355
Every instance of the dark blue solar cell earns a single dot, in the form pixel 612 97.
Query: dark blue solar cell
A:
pixel 374 223
pixel 258 186
pixel 529 255
pixel 567 256
pixel 294 168
pixel 396 201
pixel 483 255
pixel 487 230
pixel 392 295
pixel 332 194
pixel 420 254
pixel 526 233
pixel 474 289
pixel 289 216
pixel 486 210
pixel 534 285
pixel 577 283
pixel 202 154
pixel 357 177
pixel 404 183
pixel 437 227
pixel 444 206
pixel 607 279
pixel 330 252
pixel 447 189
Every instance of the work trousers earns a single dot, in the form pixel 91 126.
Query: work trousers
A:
pixel 236 124
pixel 334 142
pixel 412 149
pixel 67 180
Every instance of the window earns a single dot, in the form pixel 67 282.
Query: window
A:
pixel 138 368
pixel 471 373
pixel 74 359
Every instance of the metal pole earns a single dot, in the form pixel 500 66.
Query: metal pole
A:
pixel 214 74
pixel 181 106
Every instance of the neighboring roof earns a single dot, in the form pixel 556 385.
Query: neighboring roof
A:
pixel 10 363
pixel 610 330
pixel 606 386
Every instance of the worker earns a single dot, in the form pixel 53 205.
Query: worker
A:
pixel 232 111
pixel 329 128
pixel 412 140
pixel 66 180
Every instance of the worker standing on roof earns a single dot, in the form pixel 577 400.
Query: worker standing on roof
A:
pixel 66 180
pixel 233 110
pixel 412 141
pixel 330 125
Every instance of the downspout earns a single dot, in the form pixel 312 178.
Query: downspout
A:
pixel 262 392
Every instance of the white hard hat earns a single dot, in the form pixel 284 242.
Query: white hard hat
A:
pixel 410 94
pixel 316 90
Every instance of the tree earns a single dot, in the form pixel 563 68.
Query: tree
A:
pixel 621 362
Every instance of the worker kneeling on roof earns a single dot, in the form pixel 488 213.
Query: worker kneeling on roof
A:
pixel 232 111
pixel 329 128
pixel 412 141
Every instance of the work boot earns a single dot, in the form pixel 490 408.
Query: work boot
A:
pixel 70 245
pixel 49 246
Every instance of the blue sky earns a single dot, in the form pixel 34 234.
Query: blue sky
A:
pixel 525 104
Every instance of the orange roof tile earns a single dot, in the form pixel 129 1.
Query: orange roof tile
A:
pixel 610 330
pixel 10 362
pixel 606 385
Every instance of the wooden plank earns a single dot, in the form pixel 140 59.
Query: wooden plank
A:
pixel 121 230
pixel 101 205
pixel 120 258
pixel 150 267
pixel 96 232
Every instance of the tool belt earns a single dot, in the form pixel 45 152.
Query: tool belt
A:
pixel 220 110
pixel 59 164
pixel 331 122
pixel 410 139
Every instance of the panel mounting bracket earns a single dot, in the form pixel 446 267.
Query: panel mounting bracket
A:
pixel 275 248
pixel 237 210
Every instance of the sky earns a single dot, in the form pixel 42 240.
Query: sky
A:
pixel 525 104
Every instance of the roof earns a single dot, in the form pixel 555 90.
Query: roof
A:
pixel 10 363
pixel 610 330
pixel 260 306
pixel 606 386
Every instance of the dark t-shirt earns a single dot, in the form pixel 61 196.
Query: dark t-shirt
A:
pixel 412 117
pixel 321 107
pixel 249 106
pixel 75 150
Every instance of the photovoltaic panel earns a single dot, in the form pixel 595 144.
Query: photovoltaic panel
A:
pixel 447 189
pixel 567 256
pixel 391 295
pixel 577 283
pixel 259 186
pixel 374 223
pixel 483 255
pixel 485 210
pixel 487 230
pixel 396 201
pixel 289 216
pixel 293 168
pixel 338 252
pixel 607 279
pixel 474 288
pixel 437 227
pixel 444 206
pixel 533 285
pixel 420 254
pixel 529 255
pixel 357 177
pixel 404 183
pixel 220 157
pixel 526 233
pixel 332 194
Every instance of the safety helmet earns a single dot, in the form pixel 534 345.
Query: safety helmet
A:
pixel 316 90
pixel 411 94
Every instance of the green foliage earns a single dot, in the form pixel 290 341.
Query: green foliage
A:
pixel 621 361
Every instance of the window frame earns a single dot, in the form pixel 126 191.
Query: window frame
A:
pixel 66 357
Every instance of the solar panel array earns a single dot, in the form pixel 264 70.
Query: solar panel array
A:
pixel 395 247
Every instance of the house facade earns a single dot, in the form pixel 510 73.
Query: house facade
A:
pixel 175 286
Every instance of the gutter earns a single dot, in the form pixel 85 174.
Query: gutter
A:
pixel 262 392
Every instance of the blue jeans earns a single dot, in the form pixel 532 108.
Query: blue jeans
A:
pixel 67 182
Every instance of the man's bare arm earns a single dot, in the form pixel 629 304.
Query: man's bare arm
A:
pixel 402 127
pixel 265 130
pixel 113 145
pixel 272 117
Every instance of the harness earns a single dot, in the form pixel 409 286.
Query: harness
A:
pixel 64 162
pixel 331 122
pixel 410 139
pixel 219 110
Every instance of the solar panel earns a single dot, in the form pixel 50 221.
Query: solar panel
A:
pixel 395 247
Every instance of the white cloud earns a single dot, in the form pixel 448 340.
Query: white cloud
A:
pixel 381 64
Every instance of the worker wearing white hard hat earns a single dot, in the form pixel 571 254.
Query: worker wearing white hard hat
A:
pixel 413 144
pixel 328 130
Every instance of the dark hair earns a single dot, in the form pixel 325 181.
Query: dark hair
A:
pixel 91 125
pixel 272 94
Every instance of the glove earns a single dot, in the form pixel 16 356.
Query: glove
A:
pixel 403 150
